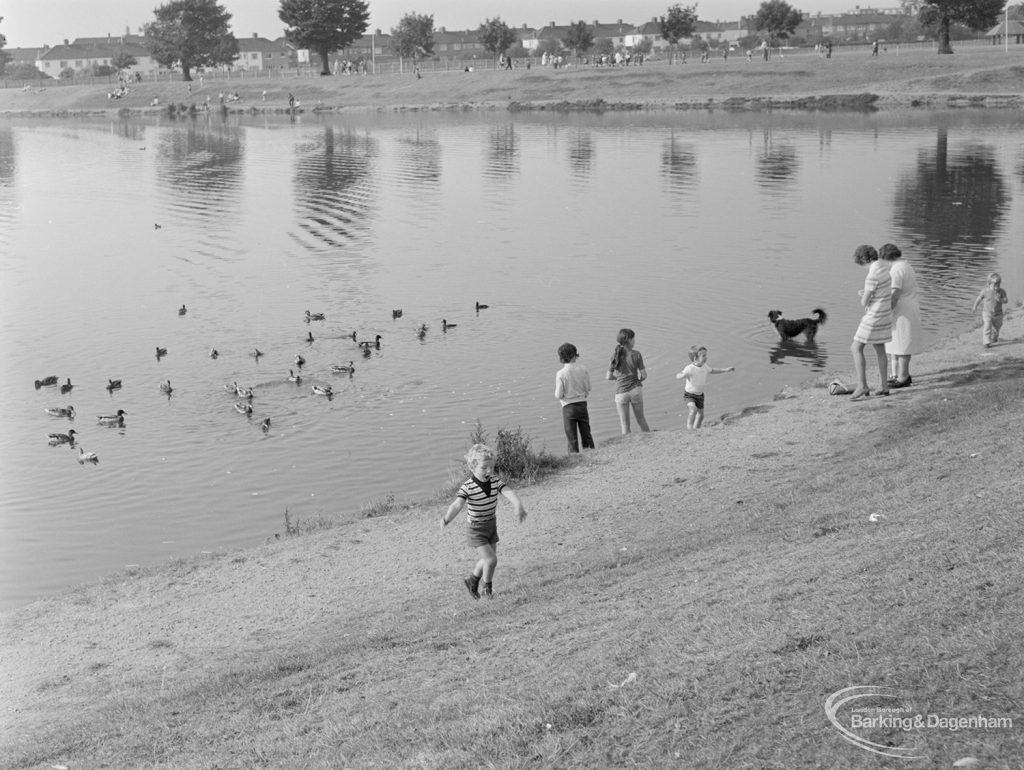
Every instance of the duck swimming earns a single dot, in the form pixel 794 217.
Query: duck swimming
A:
pixel 396 313
pixel 342 369
pixel 292 377
pixel 256 353
pixel 56 439
pixel 111 420
pixel 323 390
pixel 309 336
pixel 314 316
pixel 367 344
pixel 300 361
pixel 445 326
pixel 52 380
pixel 160 352
pixel 243 408
pixel 61 411
pixel 113 384
pixel 67 386
pixel 87 457
pixel 182 310
pixel 265 425
pixel 244 392
pixel 166 388
pixel 214 353
pixel 480 307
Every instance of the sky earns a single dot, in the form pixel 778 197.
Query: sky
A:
pixel 31 23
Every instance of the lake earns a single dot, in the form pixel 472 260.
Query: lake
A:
pixel 687 227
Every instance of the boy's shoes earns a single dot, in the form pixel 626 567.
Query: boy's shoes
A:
pixel 488 592
pixel 473 583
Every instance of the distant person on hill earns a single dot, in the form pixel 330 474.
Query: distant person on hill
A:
pixel 572 386
pixel 764 49
pixel 875 327
pixel 291 102
pixel 481 492
pixel 874 48
pixel 991 299
pixel 907 331
pixel 696 376
pixel 627 369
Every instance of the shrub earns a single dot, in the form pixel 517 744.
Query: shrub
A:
pixel 515 460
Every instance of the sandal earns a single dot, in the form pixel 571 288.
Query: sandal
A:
pixel 884 392
pixel 860 395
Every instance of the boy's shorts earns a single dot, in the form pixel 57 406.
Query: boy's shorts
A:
pixel 482 533
pixel 696 398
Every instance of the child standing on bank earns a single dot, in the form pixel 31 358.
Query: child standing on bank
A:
pixel 572 385
pixel 481 492
pixel 991 299
pixel 696 376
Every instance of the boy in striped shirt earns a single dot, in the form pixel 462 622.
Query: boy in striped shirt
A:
pixel 481 492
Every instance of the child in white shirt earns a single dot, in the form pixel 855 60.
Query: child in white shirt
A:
pixel 696 376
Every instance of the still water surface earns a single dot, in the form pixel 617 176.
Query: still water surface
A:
pixel 686 227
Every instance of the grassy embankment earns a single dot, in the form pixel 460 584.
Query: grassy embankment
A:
pixel 976 76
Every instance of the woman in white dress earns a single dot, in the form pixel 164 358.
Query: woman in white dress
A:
pixel 875 327
pixel 907 332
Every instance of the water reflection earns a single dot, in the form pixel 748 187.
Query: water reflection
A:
pixel 502 158
pixel 952 208
pixel 419 161
pixel 679 165
pixel 812 353
pixel 7 154
pixel 333 187
pixel 777 163
pixel 131 130
pixel 581 153
pixel 201 166
pixel 7 168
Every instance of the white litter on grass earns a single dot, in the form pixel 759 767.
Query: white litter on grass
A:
pixel 965 762
pixel 876 517
pixel 628 680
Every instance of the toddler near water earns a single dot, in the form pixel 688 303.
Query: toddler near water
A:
pixel 481 492
pixel 991 299
pixel 696 376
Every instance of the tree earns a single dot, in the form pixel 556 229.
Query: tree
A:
pixel 550 46
pixel 324 26
pixel 976 14
pixel 778 18
pixel 123 61
pixel 604 46
pixel 24 70
pixel 680 23
pixel 414 36
pixel 4 56
pixel 579 38
pixel 496 36
pixel 192 33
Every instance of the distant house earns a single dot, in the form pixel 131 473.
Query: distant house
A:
pixel 865 24
pixel 1007 31
pixel 458 44
pixel 85 53
pixel 257 54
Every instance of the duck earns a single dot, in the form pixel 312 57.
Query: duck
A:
pixel 160 352
pixel 309 336
pixel 51 380
pixel 342 369
pixel 166 388
pixel 243 407
pixel 232 388
pixel 265 425
pixel 244 392
pixel 182 310
pixel 66 387
pixel 61 411
pixel 396 313
pixel 214 352
pixel 353 336
pixel 292 377
pixel 87 457
pixel 300 361
pixel 314 316
pixel 110 420
pixel 480 307
pixel 445 326
pixel 422 331
pixel 256 353
pixel 113 384
pixel 367 344
pixel 62 438
pixel 323 390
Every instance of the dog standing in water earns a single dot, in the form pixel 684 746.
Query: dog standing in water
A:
pixel 790 327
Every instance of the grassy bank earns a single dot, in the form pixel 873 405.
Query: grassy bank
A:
pixel 985 76
pixel 675 599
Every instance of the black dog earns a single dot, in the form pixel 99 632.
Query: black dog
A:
pixel 789 328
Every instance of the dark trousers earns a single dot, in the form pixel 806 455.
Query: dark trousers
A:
pixel 576 417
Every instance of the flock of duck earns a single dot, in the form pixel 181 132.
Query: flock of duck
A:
pixel 244 394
